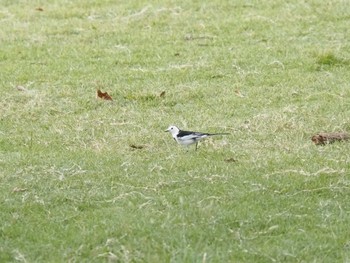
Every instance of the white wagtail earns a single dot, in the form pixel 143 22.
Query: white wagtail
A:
pixel 189 137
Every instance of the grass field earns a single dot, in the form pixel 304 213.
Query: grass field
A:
pixel 89 180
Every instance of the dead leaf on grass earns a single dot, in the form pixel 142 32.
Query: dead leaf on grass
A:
pixel 324 138
pixel 103 95
pixel 230 160
pixel 21 88
pixel 238 93
pixel 18 189
pixel 138 147
pixel 162 94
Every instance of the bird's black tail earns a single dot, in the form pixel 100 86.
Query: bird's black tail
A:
pixel 224 133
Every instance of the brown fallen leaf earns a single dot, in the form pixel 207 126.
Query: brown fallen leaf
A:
pixel 103 95
pixel 21 88
pixel 138 147
pixel 238 93
pixel 162 94
pixel 323 138
pixel 39 9
pixel 230 160
pixel 18 189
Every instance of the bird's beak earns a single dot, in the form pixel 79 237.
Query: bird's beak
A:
pixel 166 130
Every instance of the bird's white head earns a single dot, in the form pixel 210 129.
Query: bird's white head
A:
pixel 173 130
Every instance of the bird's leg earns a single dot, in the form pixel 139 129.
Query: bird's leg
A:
pixel 196 145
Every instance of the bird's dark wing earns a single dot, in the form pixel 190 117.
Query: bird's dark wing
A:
pixel 187 133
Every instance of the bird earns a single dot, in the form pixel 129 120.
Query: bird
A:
pixel 187 138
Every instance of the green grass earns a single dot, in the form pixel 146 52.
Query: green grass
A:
pixel 271 73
